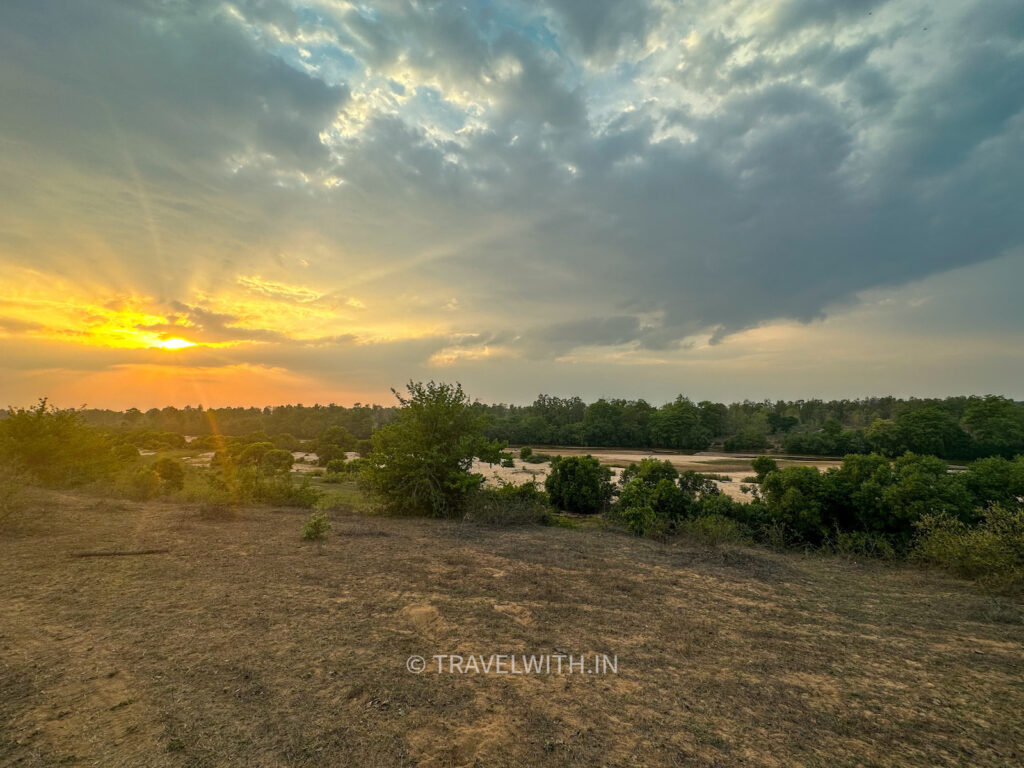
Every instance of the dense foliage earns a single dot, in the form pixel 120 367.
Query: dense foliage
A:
pixel 579 484
pixel 420 464
pixel 56 447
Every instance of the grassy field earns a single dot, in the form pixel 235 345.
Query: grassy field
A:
pixel 241 646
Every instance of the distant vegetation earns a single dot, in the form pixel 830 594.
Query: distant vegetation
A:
pixel 953 428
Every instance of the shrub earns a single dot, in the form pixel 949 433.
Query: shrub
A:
pixel 420 462
pixel 315 529
pixel 56 447
pixel 525 452
pixel 508 463
pixel 714 530
pixel 642 520
pixel 579 484
pixel 335 466
pixel 171 472
pixel 144 484
pixel 762 465
pixel 508 505
pixel 333 443
pixel 865 544
pixel 992 552
pixel 282 492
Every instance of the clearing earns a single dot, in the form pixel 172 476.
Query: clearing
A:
pixel 241 646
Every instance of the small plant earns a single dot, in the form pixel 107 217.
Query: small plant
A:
pixel 525 452
pixel 336 466
pixel 315 529
pixel 508 463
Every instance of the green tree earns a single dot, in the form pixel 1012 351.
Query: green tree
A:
pixel 579 484
pixel 420 464
pixel 996 425
pixel 55 446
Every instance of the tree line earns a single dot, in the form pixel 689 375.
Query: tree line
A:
pixel 953 428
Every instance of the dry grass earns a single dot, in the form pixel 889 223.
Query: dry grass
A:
pixel 243 647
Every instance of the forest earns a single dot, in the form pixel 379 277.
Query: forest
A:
pixel 958 428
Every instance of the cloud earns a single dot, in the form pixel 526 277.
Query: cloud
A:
pixel 568 169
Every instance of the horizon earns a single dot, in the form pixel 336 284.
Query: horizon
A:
pixel 656 402
pixel 297 201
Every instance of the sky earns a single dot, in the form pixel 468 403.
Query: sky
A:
pixel 265 201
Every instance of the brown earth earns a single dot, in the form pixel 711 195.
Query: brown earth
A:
pixel 242 646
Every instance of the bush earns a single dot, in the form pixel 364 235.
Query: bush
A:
pixel 282 492
pixel 56 447
pixel 864 544
pixel 642 520
pixel 579 484
pixel 315 529
pixel 525 452
pixel 335 466
pixel 538 458
pixel 508 505
pixel 762 465
pixel 171 472
pixel 992 552
pixel 144 484
pixel 508 463
pixel 714 530
pixel 420 462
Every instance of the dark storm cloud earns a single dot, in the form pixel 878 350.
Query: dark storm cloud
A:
pixel 580 174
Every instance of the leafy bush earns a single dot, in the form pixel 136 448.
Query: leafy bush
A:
pixel 525 452
pixel 420 463
pixel 508 505
pixel 508 463
pixel 579 484
pixel 992 552
pixel 714 530
pixel 762 465
pixel 171 472
pixel 333 443
pixel 144 484
pixel 315 529
pixel 336 466
pixel 55 447
pixel 642 521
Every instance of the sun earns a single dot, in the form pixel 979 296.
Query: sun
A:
pixel 175 343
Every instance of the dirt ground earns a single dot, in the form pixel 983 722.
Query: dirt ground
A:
pixel 242 646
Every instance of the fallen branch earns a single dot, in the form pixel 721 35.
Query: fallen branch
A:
pixel 120 552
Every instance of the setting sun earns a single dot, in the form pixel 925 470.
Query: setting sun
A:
pixel 174 343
